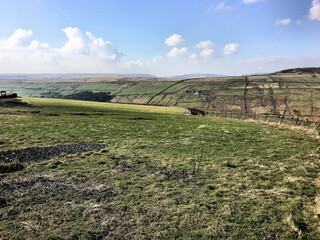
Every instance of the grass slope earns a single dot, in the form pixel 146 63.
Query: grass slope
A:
pixel 162 176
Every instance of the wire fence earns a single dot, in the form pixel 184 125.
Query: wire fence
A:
pixel 285 120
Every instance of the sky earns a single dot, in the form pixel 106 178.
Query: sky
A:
pixel 163 38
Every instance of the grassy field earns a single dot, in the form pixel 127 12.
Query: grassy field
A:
pixel 162 175
pixel 294 94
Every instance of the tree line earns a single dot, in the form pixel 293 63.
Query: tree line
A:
pixel 84 95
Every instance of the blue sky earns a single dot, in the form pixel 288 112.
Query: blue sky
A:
pixel 166 37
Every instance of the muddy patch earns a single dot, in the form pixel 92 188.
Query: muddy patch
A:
pixel 45 153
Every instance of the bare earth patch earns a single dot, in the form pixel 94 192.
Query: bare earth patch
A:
pixel 44 153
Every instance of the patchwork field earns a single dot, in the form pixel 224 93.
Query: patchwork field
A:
pixel 161 174
pixel 294 93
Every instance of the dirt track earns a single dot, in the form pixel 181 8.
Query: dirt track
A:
pixel 44 153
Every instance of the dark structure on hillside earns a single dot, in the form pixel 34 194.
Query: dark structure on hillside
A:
pixel 198 112
pixel 4 94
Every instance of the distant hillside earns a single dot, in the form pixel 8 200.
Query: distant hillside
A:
pixel 68 76
pixel 293 92
pixel 100 75
pixel 313 70
pixel 197 75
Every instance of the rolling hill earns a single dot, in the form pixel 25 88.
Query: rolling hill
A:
pixel 288 92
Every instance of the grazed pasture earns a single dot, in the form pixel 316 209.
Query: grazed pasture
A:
pixel 162 175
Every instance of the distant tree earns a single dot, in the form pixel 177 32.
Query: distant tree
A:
pixel 90 96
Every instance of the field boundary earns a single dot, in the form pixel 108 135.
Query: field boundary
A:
pixel 277 119
pixel 162 91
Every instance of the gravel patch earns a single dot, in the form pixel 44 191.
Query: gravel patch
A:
pixel 26 155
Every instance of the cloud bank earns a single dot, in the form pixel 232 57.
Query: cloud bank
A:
pixel 81 52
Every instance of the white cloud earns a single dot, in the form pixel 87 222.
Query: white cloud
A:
pixel 103 49
pixel 207 53
pixel 208 48
pixel 80 53
pixel 299 22
pixel 222 6
pixel 283 21
pixel 193 58
pixel 249 1
pixel 314 12
pixel 174 40
pixel 175 52
pixel 88 44
pixel 19 39
pixel 205 44
pixel 19 52
pixel 76 44
pixel 231 48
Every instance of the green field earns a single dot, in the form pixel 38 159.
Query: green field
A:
pixel 162 175
pixel 292 94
